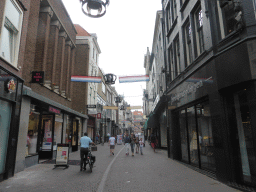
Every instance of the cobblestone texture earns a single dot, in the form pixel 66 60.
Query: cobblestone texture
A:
pixel 149 172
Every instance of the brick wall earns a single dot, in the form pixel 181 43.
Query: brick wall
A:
pixel 80 89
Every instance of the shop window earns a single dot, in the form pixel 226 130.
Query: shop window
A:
pixel 205 136
pixel 193 145
pixel 5 119
pixel 32 134
pixel 245 137
pixel 183 136
pixel 67 130
pixel 57 131
pixel 11 31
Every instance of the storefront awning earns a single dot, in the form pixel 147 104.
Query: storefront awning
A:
pixel 151 122
pixel 145 125
pixel 27 91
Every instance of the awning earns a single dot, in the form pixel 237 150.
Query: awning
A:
pixel 151 121
pixel 27 91
pixel 145 125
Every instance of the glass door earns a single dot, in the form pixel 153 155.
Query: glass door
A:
pixel 5 119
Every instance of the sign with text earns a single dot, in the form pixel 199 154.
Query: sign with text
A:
pixel 91 106
pixel 98 115
pixel 62 154
pixel 37 77
pixel 54 110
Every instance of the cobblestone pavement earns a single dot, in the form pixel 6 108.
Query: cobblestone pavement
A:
pixel 149 172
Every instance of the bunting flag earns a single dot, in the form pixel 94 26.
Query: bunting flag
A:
pixel 130 79
pixel 89 79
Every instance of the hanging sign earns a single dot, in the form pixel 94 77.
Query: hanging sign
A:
pixel 98 115
pixel 89 79
pixel 37 77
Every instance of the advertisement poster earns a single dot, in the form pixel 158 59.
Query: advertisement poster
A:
pixel 47 141
pixel 119 139
pixel 62 155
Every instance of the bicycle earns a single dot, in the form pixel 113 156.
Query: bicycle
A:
pixel 89 159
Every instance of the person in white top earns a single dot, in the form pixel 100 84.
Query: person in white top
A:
pixel 112 143
pixel 141 146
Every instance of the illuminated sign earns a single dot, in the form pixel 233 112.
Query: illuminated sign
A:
pixel 37 77
pixel 54 110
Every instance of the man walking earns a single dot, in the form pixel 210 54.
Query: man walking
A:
pixel 85 142
pixel 112 145
pixel 127 141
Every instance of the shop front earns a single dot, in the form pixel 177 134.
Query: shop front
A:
pixel 10 101
pixel 49 124
pixel 211 118
pixel 191 134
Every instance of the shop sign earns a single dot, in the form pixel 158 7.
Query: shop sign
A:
pixel 98 115
pixel 37 77
pixel 91 106
pixel 10 85
pixel 54 110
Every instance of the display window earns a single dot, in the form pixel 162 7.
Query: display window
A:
pixel 5 119
pixel 196 138
pixel 183 136
pixel 67 130
pixel 32 135
pixel 244 136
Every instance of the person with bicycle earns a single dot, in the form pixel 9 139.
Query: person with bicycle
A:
pixel 85 142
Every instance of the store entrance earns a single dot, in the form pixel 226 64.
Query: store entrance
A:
pixel 244 137
pixel 46 137
pixel 75 135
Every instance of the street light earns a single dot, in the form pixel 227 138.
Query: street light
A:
pixel 98 5
pixel 110 78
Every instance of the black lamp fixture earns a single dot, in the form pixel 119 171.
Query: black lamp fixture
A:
pixel 95 5
pixel 110 78
pixel 118 99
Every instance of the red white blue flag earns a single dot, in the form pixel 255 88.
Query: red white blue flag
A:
pixel 89 79
pixel 130 79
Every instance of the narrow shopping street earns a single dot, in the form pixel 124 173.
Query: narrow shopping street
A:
pixel 148 172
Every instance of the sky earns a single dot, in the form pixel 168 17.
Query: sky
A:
pixel 124 33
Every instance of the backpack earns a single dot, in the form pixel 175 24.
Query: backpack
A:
pixel 127 139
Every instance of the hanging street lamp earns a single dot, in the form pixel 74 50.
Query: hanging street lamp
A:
pixel 110 78
pixel 98 6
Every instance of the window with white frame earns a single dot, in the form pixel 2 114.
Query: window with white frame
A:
pixel 103 86
pixel 188 45
pixel 199 31
pixel 177 56
pixel 227 17
pixel 168 16
pixel 171 59
pixel 11 31
pixel 174 10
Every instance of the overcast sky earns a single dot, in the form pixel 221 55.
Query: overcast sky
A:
pixel 124 34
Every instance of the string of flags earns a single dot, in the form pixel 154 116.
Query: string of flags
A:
pixel 122 79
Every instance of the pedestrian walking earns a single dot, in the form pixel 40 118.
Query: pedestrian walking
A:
pixel 112 143
pixel 141 146
pixel 97 139
pixel 127 141
pixel 137 143
pixel 133 140
pixel 153 141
